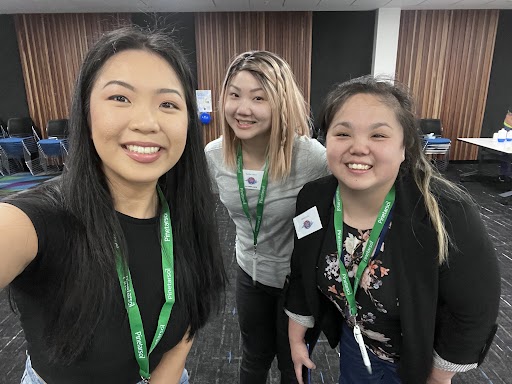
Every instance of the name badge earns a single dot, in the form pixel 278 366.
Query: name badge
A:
pixel 252 179
pixel 307 223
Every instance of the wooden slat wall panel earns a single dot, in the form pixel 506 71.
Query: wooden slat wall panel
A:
pixel 445 57
pixel 222 36
pixel 52 47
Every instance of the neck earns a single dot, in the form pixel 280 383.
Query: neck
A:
pixel 254 152
pixel 138 201
pixel 361 208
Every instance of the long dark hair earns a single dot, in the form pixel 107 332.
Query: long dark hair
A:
pixel 86 291
pixel 397 97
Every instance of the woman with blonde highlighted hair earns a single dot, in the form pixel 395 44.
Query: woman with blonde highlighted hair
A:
pixel 257 167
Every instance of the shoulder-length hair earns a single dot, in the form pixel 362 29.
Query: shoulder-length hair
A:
pixel 86 292
pixel 290 115
pixel 427 178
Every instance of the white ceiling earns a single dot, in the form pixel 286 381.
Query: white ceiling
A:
pixel 78 6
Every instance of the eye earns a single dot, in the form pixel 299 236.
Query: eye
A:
pixel 341 134
pixel 233 95
pixel 379 135
pixel 168 105
pixel 119 98
pixel 259 98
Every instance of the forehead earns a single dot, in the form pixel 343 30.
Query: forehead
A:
pixel 366 106
pixel 245 79
pixel 139 67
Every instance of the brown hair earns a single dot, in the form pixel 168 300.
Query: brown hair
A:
pixel 426 177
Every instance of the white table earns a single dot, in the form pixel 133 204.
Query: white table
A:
pixel 505 147
pixel 503 150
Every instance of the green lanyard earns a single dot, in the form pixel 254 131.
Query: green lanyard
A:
pixel 138 338
pixel 350 293
pixel 243 195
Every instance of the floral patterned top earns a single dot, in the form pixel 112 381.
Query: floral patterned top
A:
pixel 376 297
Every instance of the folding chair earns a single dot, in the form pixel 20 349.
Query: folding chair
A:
pixel 20 147
pixel 3 131
pixel 436 147
pixel 51 149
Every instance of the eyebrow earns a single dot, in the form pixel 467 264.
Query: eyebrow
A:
pixel 132 88
pixel 346 124
pixel 251 90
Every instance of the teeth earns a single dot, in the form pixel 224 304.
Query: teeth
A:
pixel 142 150
pixel 359 166
pixel 245 122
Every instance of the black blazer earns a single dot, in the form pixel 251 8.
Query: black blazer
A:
pixel 450 308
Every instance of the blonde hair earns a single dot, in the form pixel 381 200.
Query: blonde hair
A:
pixel 428 180
pixel 289 112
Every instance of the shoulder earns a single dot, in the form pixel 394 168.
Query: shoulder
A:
pixel 319 188
pixel 455 204
pixel 307 144
pixel 45 198
pixel 310 158
pixel 213 146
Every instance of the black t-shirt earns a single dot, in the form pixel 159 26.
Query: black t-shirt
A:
pixel 376 297
pixel 110 359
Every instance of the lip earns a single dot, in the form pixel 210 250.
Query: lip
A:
pixel 358 171
pixel 143 157
pixel 245 125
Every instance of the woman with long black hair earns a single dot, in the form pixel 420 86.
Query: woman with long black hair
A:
pixel 116 265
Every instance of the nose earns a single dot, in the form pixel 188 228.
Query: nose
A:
pixel 359 146
pixel 244 108
pixel 144 119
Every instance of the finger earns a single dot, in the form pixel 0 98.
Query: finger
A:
pixel 308 363
pixel 298 373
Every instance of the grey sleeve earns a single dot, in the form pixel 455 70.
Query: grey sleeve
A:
pixel 317 161
pixel 212 171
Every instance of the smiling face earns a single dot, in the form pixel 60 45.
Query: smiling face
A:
pixel 138 117
pixel 247 108
pixel 365 145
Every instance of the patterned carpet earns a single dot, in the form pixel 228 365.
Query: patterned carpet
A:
pixel 19 182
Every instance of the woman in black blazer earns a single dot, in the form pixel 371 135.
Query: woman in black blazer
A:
pixel 428 286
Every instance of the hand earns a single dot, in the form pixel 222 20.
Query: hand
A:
pixel 439 376
pixel 300 357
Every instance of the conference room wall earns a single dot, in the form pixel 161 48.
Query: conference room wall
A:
pixel 445 57
pixel 52 47
pixel 182 27
pixel 13 99
pixel 499 97
pixel 342 49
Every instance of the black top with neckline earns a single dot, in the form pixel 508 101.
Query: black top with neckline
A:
pixel 110 358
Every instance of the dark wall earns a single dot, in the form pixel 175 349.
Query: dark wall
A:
pixel 499 95
pixel 180 25
pixel 342 49
pixel 13 99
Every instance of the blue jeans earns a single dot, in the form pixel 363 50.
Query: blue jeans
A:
pixel 352 368
pixel 30 376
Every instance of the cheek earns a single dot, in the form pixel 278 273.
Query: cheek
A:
pixel 229 107
pixel 178 132
pixel 332 153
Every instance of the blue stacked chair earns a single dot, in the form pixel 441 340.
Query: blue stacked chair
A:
pixel 20 147
pixel 436 147
pixel 53 150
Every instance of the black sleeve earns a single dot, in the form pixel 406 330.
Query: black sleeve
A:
pixel 52 229
pixel 469 288
pixel 295 298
